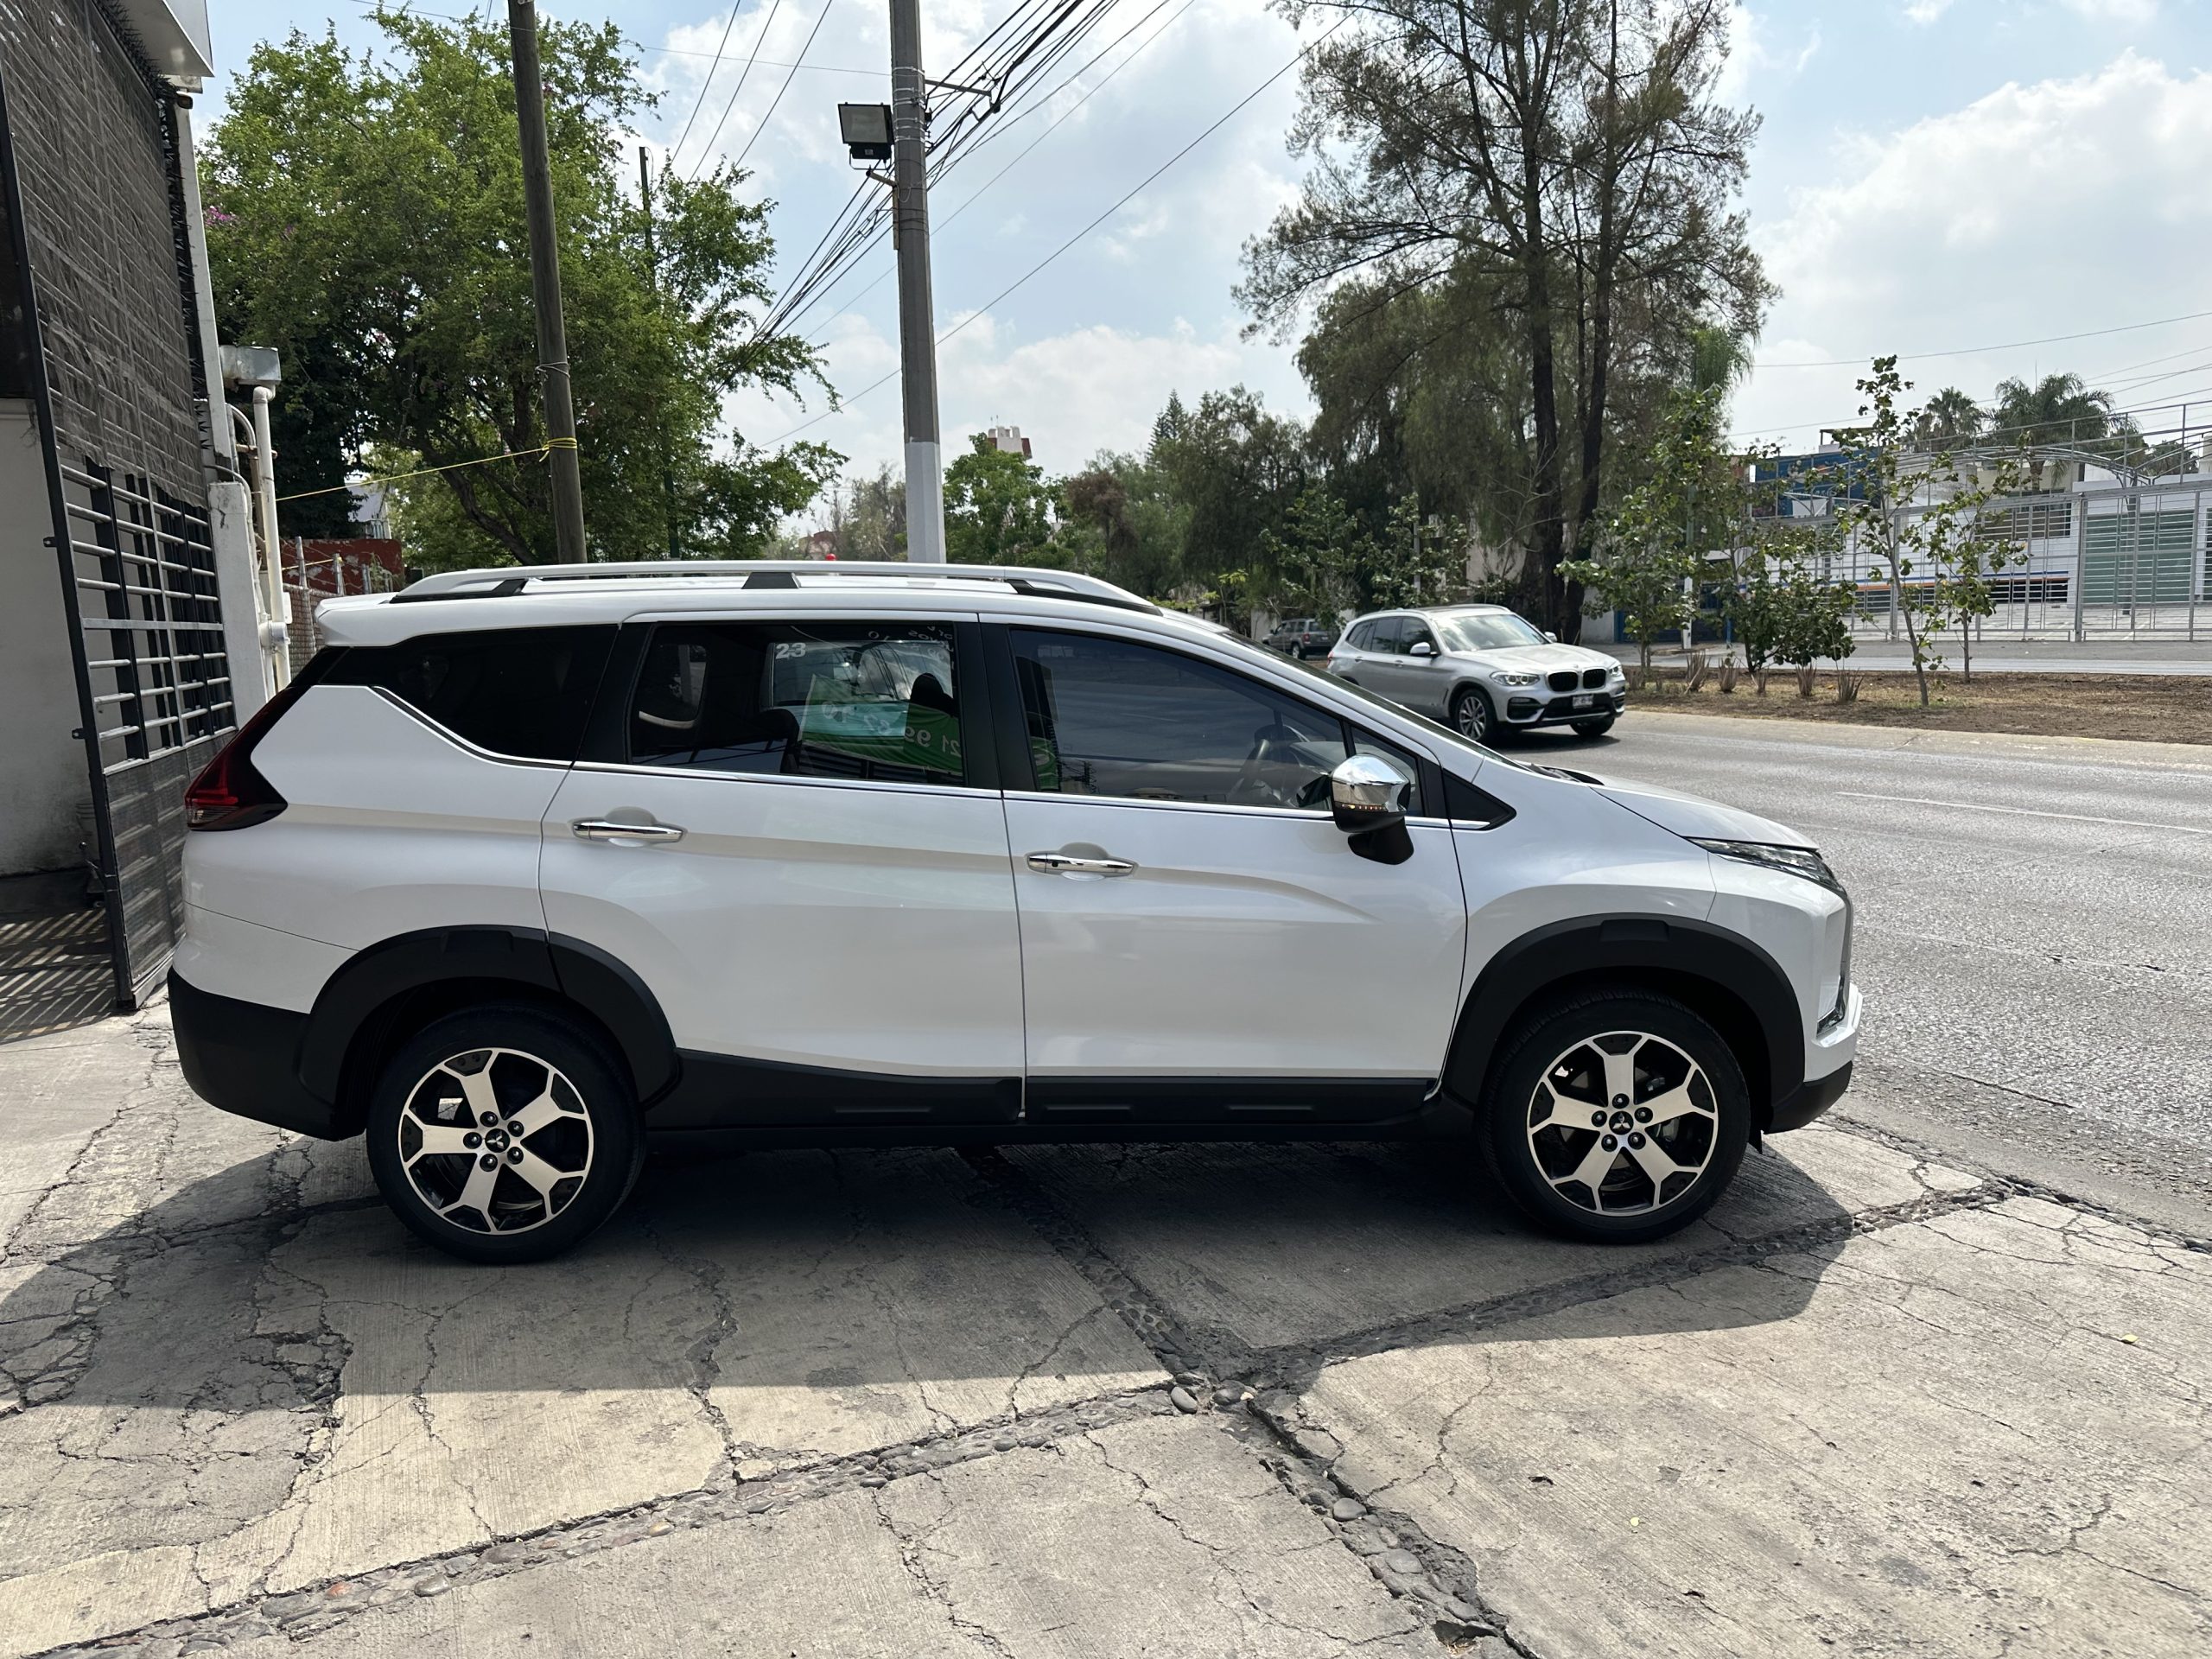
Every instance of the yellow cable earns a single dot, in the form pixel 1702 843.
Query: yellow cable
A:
pixel 541 452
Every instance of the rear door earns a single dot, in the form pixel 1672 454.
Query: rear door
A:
pixel 817 889
pixel 1378 644
pixel 1199 941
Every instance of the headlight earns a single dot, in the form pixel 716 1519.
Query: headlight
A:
pixel 1504 678
pixel 1616 672
pixel 1798 860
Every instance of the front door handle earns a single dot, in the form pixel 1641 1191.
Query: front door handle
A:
pixel 1070 864
pixel 611 830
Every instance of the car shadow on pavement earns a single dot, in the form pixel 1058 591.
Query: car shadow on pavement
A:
pixel 914 1290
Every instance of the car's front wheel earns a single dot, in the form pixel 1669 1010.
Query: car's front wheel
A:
pixel 1617 1117
pixel 1471 714
pixel 501 1135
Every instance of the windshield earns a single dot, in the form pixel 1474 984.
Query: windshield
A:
pixel 1487 631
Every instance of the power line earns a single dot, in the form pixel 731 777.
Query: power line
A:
pixel 742 76
pixel 699 103
pixel 787 87
pixel 1975 350
pixel 1126 198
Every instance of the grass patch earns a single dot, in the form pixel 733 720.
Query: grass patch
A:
pixel 2156 707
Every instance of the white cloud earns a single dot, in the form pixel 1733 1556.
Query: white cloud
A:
pixel 1760 62
pixel 2136 12
pixel 1926 12
pixel 2051 208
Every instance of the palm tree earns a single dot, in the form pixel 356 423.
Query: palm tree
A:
pixel 2058 409
pixel 1719 358
pixel 1950 420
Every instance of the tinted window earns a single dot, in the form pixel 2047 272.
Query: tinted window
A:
pixel 801 699
pixel 1111 717
pixel 1416 633
pixel 1357 638
pixel 1390 636
pixel 519 691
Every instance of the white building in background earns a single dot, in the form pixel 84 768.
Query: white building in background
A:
pixel 1007 440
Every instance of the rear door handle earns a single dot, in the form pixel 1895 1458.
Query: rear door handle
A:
pixel 1070 864
pixel 610 829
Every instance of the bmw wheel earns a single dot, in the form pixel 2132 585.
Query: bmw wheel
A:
pixel 501 1135
pixel 1471 714
pixel 1617 1118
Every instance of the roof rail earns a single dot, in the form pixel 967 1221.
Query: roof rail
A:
pixel 499 583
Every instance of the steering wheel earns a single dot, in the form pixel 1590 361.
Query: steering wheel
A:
pixel 1274 747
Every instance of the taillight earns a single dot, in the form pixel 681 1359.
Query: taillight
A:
pixel 230 792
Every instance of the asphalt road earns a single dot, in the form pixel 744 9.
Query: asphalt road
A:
pixel 2035 923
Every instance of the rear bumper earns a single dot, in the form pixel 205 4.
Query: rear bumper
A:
pixel 243 1058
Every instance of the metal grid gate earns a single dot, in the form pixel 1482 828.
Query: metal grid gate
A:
pixel 89 163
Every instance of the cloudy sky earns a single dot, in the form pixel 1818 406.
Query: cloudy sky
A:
pixel 1965 177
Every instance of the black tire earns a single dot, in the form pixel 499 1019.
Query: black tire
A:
pixel 1595 728
pixel 1472 714
pixel 577 1164
pixel 1532 1084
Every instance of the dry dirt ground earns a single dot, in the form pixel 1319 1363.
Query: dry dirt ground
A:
pixel 2163 709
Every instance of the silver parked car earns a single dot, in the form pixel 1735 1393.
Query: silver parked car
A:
pixel 1481 669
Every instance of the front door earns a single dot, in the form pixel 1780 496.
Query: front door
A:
pixel 1423 680
pixel 1199 941
pixel 788 848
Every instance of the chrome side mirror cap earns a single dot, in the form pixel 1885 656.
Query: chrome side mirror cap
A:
pixel 1420 648
pixel 1367 793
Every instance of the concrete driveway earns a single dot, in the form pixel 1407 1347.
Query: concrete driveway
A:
pixel 1124 1401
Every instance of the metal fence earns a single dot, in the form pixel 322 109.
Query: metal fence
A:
pixel 89 165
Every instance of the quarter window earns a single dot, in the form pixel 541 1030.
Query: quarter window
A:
pixel 878 702
pixel 1112 717
pixel 518 691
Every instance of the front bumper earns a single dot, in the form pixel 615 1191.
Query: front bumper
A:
pixel 1559 708
pixel 1835 1048
pixel 243 1058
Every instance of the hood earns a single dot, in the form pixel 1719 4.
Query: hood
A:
pixel 1688 815
pixel 1535 659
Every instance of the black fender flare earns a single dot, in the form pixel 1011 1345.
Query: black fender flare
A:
pixel 547 964
pixel 1725 977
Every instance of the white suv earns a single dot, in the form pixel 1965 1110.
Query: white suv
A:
pixel 1482 669
pixel 530 867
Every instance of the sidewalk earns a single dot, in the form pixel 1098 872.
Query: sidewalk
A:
pixel 1997 654
pixel 1113 1400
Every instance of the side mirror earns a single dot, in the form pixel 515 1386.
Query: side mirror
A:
pixel 1550 638
pixel 1420 648
pixel 1368 792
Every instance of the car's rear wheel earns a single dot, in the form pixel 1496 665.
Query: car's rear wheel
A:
pixel 1618 1117
pixel 501 1135
pixel 1471 714
pixel 1594 727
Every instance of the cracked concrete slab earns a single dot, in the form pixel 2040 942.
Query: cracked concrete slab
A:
pixel 1253 1247
pixel 1161 1537
pixel 1981 1434
pixel 866 1300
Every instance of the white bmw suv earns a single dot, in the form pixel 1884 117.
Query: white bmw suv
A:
pixel 528 869
pixel 1482 669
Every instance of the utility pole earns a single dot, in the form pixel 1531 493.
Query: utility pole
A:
pixel 545 287
pixel 910 235
pixel 652 271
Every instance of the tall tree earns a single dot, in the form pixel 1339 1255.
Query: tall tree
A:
pixel 1561 162
pixel 2057 408
pixel 998 508
pixel 365 217
pixel 1950 421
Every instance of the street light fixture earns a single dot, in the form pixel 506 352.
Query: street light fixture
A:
pixel 866 128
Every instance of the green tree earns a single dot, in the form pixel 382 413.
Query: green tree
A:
pixel 1234 467
pixel 998 507
pixel 365 217
pixel 1562 175
pixel 1651 556
pixel 1920 523
pixel 2059 408
pixel 1951 421
pixel 1121 521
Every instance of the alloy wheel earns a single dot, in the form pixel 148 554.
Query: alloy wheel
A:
pixel 495 1140
pixel 1472 715
pixel 1623 1123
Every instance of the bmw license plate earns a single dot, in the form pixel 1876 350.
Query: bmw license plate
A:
pixel 1585 702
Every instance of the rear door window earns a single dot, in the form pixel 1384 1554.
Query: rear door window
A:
pixel 871 701
pixel 524 692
